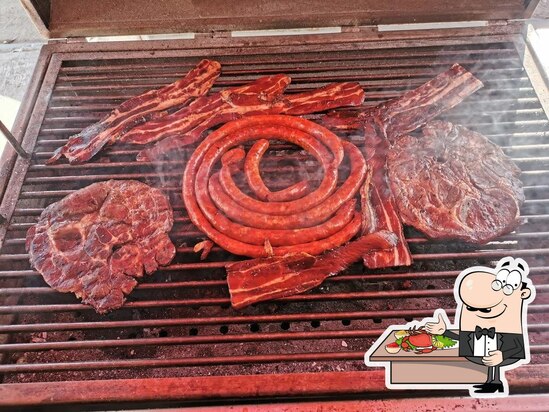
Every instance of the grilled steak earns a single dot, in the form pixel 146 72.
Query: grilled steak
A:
pixel 454 183
pixel 96 241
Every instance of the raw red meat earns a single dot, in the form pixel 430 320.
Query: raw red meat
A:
pixel 454 183
pixel 264 96
pixel 381 126
pixel 96 241
pixel 275 277
pixel 149 105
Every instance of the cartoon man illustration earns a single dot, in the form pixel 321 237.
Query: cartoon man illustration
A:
pixel 490 330
pixel 491 315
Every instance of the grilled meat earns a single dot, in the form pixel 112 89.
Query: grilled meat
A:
pixel 274 277
pixel 320 220
pixel 382 126
pixel 96 241
pixel 137 110
pixel 263 96
pixel 453 183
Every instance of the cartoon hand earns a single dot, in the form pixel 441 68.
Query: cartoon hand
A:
pixel 495 358
pixel 436 328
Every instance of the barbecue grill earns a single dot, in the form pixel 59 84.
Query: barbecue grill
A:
pixel 177 339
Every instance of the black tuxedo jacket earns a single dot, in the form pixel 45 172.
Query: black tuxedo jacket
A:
pixel 510 344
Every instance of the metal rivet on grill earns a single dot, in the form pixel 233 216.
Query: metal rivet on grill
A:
pixel 224 329
pixel 193 331
pixel 254 327
pixel 315 323
pixel 285 325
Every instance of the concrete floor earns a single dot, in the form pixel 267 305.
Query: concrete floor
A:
pixel 20 44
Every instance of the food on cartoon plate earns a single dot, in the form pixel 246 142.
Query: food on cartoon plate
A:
pixel 419 341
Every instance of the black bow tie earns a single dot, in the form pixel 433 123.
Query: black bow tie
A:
pixel 479 332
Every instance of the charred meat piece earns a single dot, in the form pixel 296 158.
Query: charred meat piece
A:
pixel 264 96
pixel 453 183
pixel 275 277
pixel 139 109
pixel 96 241
pixel 383 125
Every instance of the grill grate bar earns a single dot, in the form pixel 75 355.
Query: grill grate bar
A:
pixel 217 339
pixel 193 234
pixel 349 61
pixel 417 257
pixel 222 283
pixel 221 360
pixel 394 294
pixel 534 271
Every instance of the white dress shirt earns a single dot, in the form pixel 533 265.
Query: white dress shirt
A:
pixel 484 345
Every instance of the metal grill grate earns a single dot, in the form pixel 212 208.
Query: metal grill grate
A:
pixel 178 322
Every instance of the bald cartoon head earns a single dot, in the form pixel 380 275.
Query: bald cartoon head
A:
pixel 494 297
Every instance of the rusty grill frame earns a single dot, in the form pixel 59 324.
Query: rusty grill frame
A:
pixel 18 281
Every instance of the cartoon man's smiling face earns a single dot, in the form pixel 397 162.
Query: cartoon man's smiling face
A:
pixel 493 300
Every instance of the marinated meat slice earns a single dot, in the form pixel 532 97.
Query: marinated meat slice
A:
pixel 96 241
pixel 263 96
pixel 453 183
pixel 413 109
pixel 137 110
pixel 275 277
pixel 379 210
pixel 186 126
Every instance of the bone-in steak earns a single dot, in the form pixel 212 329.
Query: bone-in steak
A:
pixel 96 241
pixel 455 183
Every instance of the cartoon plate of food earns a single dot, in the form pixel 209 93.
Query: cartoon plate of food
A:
pixel 419 341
